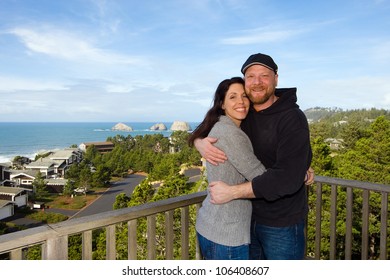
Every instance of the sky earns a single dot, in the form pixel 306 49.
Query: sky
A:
pixel 161 61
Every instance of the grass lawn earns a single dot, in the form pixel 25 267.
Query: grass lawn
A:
pixel 45 217
pixel 76 202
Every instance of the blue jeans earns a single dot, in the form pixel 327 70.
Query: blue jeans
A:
pixel 277 243
pixel 214 251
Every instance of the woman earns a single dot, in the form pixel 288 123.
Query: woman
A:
pixel 224 230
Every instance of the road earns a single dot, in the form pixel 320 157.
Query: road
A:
pixel 106 201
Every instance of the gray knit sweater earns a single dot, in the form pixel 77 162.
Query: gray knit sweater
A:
pixel 229 224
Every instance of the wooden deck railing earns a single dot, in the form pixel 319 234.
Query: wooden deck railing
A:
pixel 53 238
pixel 355 193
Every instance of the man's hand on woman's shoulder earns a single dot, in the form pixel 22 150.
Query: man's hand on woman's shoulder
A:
pixel 207 150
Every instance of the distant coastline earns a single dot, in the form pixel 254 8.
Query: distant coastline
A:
pixel 30 138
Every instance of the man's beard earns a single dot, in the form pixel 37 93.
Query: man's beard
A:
pixel 260 99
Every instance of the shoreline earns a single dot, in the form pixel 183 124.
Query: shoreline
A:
pixel 29 139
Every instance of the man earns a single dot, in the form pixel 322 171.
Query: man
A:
pixel 279 133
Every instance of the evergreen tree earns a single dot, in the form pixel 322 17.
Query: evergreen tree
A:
pixel 369 160
pixel 101 176
pixel 39 186
pixel 322 161
pixel 121 201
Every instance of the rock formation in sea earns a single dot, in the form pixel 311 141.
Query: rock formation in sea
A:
pixel 180 125
pixel 122 127
pixel 158 126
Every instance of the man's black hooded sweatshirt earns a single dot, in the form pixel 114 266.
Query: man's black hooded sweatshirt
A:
pixel 281 140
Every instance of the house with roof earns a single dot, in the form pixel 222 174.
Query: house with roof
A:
pixel 335 144
pixel 18 196
pixel 6 209
pixel 11 197
pixel 53 169
pixel 5 175
pixel 23 178
pixel 102 147
pixel 56 163
pixel 63 159
pixel 47 167
pixel 55 185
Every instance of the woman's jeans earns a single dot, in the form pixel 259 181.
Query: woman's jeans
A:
pixel 214 251
pixel 277 243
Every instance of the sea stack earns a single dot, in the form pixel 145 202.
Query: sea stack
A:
pixel 180 125
pixel 158 126
pixel 122 127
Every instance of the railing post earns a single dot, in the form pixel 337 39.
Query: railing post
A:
pixel 384 221
pixel 132 239
pixel 87 245
pixel 16 254
pixel 333 219
pixel 198 251
pixel 317 246
pixel 348 224
pixel 110 243
pixel 184 233
pixel 169 235
pixel 151 237
pixel 365 224
pixel 56 248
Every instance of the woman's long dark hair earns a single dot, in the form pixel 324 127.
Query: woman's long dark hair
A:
pixel 212 116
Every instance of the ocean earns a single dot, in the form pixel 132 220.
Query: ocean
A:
pixel 31 138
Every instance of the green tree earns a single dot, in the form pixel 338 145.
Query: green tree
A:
pixel 322 130
pixel 73 172
pixel 39 186
pixel 322 161
pixel 91 154
pixel 179 140
pixel 369 159
pixel 115 161
pixel 100 252
pixel 142 193
pixel 34 253
pixel 165 166
pixel 69 188
pixel 101 176
pixel 351 133
pixel 121 201
pixel 75 247
pixel 85 179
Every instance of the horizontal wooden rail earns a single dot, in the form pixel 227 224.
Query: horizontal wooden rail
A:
pixel 53 238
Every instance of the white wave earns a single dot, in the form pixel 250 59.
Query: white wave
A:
pixel 4 159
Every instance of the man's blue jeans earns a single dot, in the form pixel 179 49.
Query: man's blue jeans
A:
pixel 214 251
pixel 277 243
